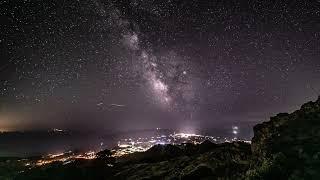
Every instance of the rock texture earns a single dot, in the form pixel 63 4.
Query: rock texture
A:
pixel 288 146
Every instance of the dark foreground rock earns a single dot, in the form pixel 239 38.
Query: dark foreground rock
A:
pixel 286 147
pixel 230 160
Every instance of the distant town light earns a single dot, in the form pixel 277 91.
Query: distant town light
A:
pixel 137 144
pixel 235 130
pixel 235 127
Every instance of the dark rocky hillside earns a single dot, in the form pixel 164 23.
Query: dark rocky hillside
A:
pixel 230 160
pixel 286 147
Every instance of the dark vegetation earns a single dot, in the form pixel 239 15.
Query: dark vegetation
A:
pixel 286 147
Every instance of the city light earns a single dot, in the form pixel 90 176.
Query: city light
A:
pixel 136 144
pixel 235 130
pixel 64 157
pixel 132 145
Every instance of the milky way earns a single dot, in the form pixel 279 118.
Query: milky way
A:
pixel 139 64
pixel 147 65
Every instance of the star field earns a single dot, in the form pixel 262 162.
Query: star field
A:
pixel 144 64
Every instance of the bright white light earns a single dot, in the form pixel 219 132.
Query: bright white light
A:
pixel 235 129
pixel 185 135
pixel 57 130
pixel 124 145
pixel 55 155
pixel 158 85
pixel 161 143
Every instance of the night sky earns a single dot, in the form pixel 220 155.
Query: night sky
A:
pixel 101 65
